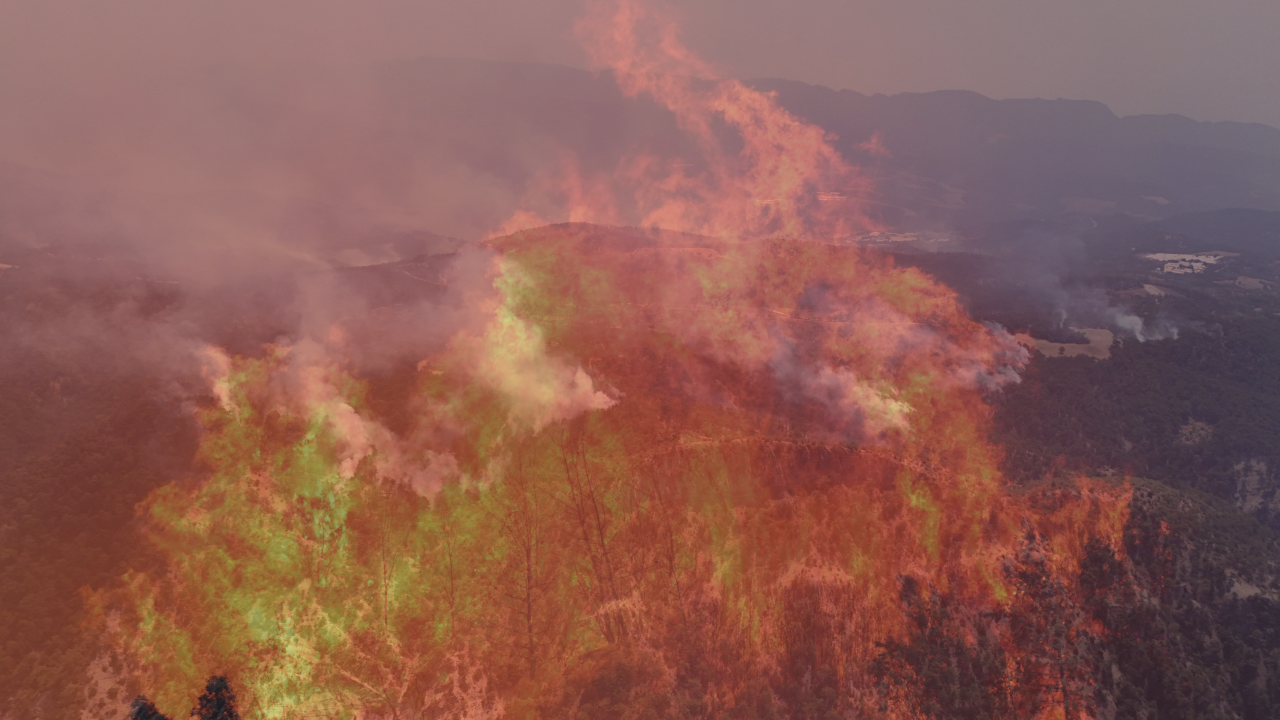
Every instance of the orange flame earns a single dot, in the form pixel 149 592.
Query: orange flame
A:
pixel 671 470
pixel 656 435
pixel 761 171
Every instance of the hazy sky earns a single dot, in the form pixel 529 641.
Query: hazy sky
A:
pixel 1211 61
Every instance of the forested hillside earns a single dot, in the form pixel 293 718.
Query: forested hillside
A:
pixel 1054 220
pixel 85 434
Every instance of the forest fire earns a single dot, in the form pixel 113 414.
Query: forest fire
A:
pixel 759 170
pixel 725 468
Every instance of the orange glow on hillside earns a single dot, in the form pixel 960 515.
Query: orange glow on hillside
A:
pixel 730 471
pixel 656 440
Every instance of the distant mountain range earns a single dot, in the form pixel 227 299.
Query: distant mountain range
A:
pixel 1042 157
pixel 448 146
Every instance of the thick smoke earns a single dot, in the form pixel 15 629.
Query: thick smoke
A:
pixel 180 178
pixel 1043 269
pixel 289 205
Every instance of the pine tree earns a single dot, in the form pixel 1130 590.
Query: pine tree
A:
pixel 217 702
pixel 144 709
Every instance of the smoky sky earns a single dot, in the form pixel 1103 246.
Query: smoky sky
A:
pixel 1210 61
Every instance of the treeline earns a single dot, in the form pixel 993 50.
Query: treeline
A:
pixel 598 574
pixel 1202 411
pixel 1155 628
pixel 217 702
pixel 1176 642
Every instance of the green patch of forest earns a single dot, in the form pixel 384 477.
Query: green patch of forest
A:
pixel 1202 411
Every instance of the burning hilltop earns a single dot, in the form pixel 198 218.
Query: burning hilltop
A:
pixel 667 470
pixel 731 467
